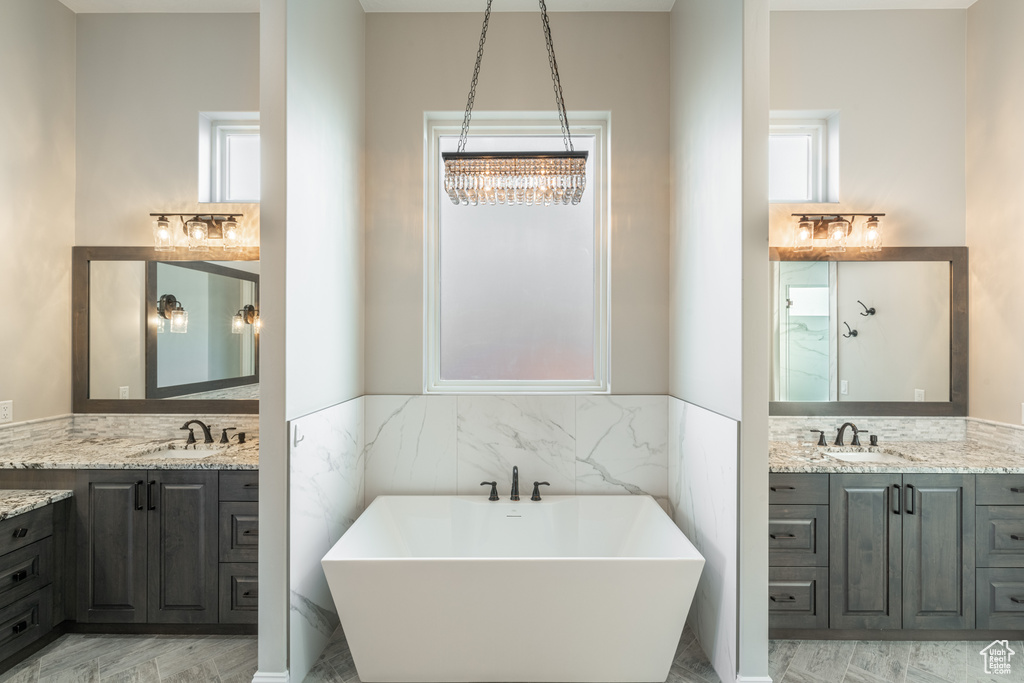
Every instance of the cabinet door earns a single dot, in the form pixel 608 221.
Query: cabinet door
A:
pixel 182 509
pixel 865 539
pixel 938 551
pixel 111 546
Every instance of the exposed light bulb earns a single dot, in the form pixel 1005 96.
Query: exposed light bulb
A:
pixel 872 235
pixel 162 239
pixel 237 324
pixel 179 321
pixel 197 234
pixel 804 235
pixel 837 233
pixel 232 235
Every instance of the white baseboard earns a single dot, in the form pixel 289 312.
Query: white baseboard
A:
pixel 270 677
pixel 753 679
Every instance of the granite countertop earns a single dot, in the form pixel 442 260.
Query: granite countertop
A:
pixel 962 457
pixel 96 453
pixel 15 502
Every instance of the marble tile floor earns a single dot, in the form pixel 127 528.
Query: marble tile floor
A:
pixel 848 661
pixel 690 665
pixel 80 658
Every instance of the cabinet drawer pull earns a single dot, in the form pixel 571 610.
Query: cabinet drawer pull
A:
pixel 782 488
pixel 782 535
pixel 138 494
pixel 1019 601
pixel 250 532
pixel 782 598
pixel 251 594
pixel 150 500
pixel 896 495
pixel 251 486
pixel 1016 489
pixel 1017 537
pixel 19 575
pixel 20 533
pixel 20 627
pixel 910 499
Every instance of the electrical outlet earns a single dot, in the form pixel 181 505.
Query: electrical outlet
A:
pixel 122 392
pixel 6 411
pixel 844 386
pixel 918 395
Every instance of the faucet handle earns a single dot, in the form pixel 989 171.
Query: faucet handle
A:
pixel 224 438
pixel 191 436
pixel 536 489
pixel 821 436
pixel 856 436
pixel 494 489
pixel 241 437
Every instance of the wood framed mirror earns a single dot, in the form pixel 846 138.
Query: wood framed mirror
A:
pixel 869 333
pixel 117 306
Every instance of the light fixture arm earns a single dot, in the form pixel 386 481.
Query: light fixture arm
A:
pixel 563 118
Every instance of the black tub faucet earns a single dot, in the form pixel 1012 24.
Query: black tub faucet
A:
pixel 536 489
pixel 515 483
pixel 494 489
pixel 207 436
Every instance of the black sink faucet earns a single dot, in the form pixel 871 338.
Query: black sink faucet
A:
pixel 207 436
pixel 515 483
pixel 842 430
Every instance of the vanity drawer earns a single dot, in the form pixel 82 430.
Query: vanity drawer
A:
pixel 1000 535
pixel 798 597
pixel 999 489
pixel 239 592
pixel 785 488
pixel 26 570
pixel 798 535
pixel 21 530
pixel 1000 599
pixel 25 621
pixel 239 532
pixel 241 485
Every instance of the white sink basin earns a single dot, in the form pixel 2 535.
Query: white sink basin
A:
pixel 870 456
pixel 179 453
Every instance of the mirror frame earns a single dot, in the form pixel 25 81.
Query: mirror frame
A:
pixel 958 337
pixel 81 403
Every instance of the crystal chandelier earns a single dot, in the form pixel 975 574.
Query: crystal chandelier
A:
pixel 530 178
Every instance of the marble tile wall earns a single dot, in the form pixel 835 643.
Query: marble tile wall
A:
pixel 580 444
pixel 145 426
pixel 56 427
pixel 326 493
pixel 997 435
pixel 887 428
pixel 703 477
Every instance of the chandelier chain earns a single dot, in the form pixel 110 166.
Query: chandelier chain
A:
pixel 476 75
pixel 563 118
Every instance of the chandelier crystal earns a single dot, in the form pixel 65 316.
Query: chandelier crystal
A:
pixel 516 178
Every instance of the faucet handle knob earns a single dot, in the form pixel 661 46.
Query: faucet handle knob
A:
pixel 224 438
pixel 536 489
pixel 856 436
pixel 494 489
pixel 191 436
pixel 821 436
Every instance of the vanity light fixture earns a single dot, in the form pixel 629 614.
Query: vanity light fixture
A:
pixel 514 178
pixel 169 308
pixel 246 315
pixel 200 231
pixel 836 230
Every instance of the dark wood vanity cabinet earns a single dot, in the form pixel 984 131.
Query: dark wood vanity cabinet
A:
pixel 147 546
pixel 872 551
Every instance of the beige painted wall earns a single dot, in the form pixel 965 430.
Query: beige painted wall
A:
pixel 898 79
pixel 142 81
pixel 614 62
pixel 995 175
pixel 37 203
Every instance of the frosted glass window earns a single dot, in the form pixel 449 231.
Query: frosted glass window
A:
pixel 808 301
pixel 242 167
pixel 518 283
pixel 790 168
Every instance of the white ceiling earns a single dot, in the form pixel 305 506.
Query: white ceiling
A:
pixel 191 6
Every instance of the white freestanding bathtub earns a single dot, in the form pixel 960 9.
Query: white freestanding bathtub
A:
pixel 459 588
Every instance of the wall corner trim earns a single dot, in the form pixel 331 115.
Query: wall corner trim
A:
pixel 275 677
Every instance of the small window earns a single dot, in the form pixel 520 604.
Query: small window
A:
pixel 803 157
pixel 517 293
pixel 229 157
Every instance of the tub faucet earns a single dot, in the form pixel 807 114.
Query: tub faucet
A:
pixel 207 436
pixel 515 483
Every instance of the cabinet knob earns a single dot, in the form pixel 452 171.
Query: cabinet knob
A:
pixel 20 627
pixel 20 533
pixel 19 575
